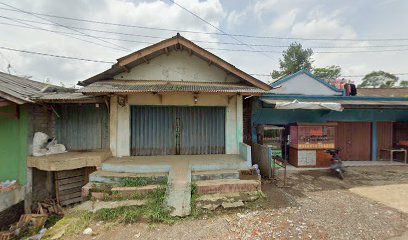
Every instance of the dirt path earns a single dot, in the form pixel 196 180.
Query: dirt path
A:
pixel 314 205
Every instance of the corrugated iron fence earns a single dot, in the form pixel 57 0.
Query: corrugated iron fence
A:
pixel 177 130
pixel 83 127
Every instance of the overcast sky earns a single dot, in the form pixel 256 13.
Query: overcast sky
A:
pixel 313 19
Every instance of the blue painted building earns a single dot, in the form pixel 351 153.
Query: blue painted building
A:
pixel 365 125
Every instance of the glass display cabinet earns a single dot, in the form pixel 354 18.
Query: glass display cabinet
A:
pixel 308 143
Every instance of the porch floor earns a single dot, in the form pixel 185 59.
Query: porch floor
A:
pixel 145 164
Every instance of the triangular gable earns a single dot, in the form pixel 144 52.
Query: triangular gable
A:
pixel 304 83
pixel 178 42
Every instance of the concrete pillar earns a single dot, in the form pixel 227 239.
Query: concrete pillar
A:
pixel 123 131
pixel 28 199
pixel 374 142
pixel 113 122
pixel 240 121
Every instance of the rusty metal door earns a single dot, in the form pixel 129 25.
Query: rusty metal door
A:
pixel 152 131
pixel 177 130
pixel 202 130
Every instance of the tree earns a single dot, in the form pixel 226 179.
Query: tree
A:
pixel 403 84
pixel 295 58
pixel 379 79
pixel 329 72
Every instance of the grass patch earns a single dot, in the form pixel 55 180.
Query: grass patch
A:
pixel 154 211
pixel 125 214
pixel 117 196
pixel 141 181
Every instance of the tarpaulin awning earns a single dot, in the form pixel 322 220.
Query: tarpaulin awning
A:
pixel 295 104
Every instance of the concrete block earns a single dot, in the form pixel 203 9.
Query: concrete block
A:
pixel 99 195
pixel 85 190
pixel 236 204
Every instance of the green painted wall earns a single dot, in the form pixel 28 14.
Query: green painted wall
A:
pixel 13 145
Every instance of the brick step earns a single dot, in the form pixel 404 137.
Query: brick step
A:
pixel 227 185
pixel 109 177
pixel 214 175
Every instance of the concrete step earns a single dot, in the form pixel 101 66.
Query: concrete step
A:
pixel 129 167
pixel 214 175
pixel 179 190
pixel 109 177
pixel 220 166
pixel 227 185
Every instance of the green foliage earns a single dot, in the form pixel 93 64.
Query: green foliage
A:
pixel 379 79
pixel 140 182
pixel 155 210
pixel 329 72
pixel 125 214
pixel 403 84
pixel 295 58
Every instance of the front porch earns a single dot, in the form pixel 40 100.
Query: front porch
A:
pixel 211 173
pixel 154 164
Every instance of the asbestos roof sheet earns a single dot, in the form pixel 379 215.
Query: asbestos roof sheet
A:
pixel 139 86
pixel 383 92
pixel 19 89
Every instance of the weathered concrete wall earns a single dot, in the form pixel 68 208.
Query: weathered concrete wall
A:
pixel 245 152
pixel 306 85
pixel 120 117
pixel 178 66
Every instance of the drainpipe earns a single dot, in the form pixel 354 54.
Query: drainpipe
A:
pixel 374 145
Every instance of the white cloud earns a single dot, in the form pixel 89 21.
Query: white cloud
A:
pixel 326 27
pixel 160 14
pixel 284 21
pixel 295 18
pixel 264 6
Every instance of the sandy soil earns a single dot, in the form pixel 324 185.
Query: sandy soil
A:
pixel 312 205
pixel 395 195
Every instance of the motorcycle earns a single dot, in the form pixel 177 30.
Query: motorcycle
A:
pixel 337 166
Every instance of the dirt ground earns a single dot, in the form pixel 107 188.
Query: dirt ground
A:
pixel 312 205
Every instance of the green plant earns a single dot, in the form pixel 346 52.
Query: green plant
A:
pixel 155 209
pixel 125 214
pixel 140 182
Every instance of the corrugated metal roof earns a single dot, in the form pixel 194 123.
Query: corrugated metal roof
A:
pixel 70 97
pixel 383 92
pixel 138 86
pixel 19 89
pixel 345 102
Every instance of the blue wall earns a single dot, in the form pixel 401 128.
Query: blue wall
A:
pixel 267 115
pixel 273 116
